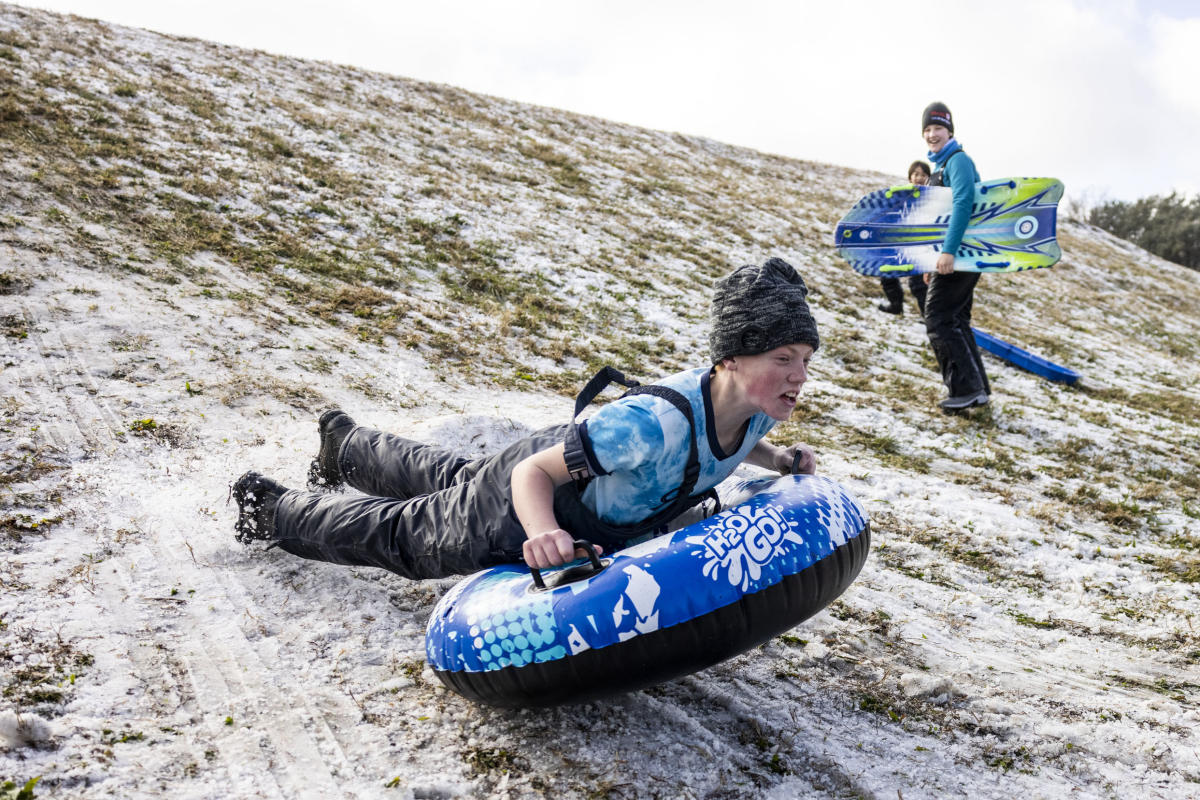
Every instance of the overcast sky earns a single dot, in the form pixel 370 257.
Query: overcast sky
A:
pixel 1104 95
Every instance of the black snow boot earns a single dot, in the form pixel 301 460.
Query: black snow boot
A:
pixel 256 496
pixel 955 405
pixel 334 426
pixel 894 304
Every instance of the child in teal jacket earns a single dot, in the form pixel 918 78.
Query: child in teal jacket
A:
pixel 951 294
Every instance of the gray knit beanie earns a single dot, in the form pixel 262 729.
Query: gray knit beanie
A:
pixel 757 309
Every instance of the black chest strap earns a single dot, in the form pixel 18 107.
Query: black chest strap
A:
pixel 674 502
pixel 936 178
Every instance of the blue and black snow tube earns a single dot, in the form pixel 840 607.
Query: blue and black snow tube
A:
pixel 652 612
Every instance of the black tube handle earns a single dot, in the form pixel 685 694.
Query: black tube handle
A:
pixel 581 544
pixel 795 468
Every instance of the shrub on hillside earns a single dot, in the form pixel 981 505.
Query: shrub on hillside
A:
pixel 1168 226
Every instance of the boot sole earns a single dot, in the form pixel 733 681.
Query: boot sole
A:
pixel 319 478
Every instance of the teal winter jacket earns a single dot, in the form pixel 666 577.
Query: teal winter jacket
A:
pixel 956 170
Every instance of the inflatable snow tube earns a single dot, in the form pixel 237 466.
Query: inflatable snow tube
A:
pixel 660 609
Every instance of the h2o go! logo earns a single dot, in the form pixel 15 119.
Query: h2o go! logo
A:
pixel 741 542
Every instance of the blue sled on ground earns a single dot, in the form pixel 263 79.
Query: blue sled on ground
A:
pixel 1024 359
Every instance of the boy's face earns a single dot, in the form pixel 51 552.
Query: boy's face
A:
pixel 918 177
pixel 936 137
pixel 772 380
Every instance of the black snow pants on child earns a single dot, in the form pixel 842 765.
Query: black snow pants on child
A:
pixel 948 323
pixel 895 294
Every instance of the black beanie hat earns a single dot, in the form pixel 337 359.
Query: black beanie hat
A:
pixel 757 309
pixel 937 114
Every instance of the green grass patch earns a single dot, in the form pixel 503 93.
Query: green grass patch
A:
pixel 1175 405
pixel 1028 621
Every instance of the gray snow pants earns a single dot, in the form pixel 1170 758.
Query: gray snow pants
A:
pixel 426 513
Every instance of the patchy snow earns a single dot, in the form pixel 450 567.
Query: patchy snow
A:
pixel 1023 627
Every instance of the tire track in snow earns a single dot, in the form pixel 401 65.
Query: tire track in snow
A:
pixel 213 666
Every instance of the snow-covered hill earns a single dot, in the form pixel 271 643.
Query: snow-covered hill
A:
pixel 202 247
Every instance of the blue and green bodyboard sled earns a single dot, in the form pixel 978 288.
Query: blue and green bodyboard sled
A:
pixel 899 231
